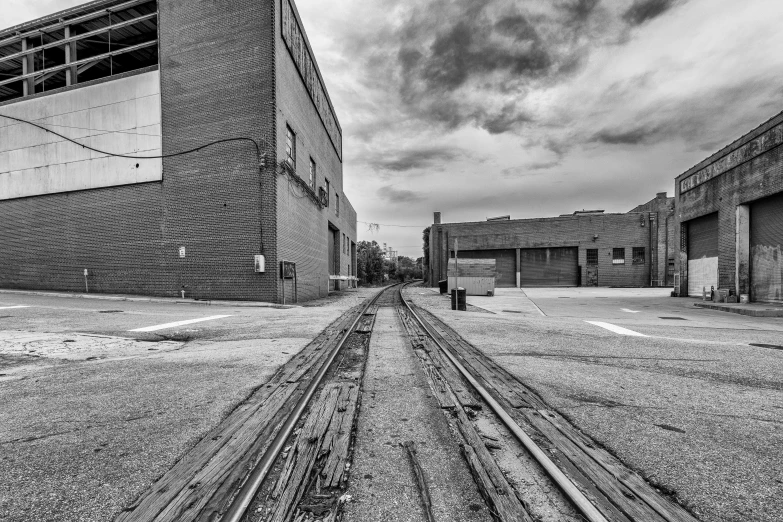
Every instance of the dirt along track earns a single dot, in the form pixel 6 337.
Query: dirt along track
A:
pixel 409 422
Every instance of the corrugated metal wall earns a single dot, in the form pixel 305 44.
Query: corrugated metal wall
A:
pixel 549 267
pixel 505 264
pixel 766 249
pixel 702 254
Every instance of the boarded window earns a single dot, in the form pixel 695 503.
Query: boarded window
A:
pixel 618 256
pixel 638 255
pixel 592 257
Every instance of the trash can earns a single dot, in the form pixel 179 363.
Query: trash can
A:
pixel 444 286
pixel 459 299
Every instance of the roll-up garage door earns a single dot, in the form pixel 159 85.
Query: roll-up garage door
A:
pixel 505 264
pixel 549 267
pixel 766 249
pixel 702 254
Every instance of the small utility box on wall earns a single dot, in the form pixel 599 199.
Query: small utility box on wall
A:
pixel 259 262
pixel 476 276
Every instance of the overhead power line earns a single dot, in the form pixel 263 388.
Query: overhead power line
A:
pixel 259 155
pixel 400 226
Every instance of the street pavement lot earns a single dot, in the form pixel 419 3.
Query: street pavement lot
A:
pixel 99 398
pixel 687 402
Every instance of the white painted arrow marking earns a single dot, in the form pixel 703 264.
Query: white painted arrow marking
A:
pixel 630 311
pixel 617 329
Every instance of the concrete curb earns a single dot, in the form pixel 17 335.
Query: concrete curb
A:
pixel 754 312
pixel 245 304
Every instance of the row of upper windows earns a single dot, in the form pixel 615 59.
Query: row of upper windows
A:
pixel 290 157
pixel 618 256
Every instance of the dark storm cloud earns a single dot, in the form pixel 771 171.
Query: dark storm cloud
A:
pixel 468 49
pixel 643 10
pixel 411 159
pixel 504 121
pixel 627 136
pixel 469 62
pixel 393 195
pixel 529 169
pixel 580 10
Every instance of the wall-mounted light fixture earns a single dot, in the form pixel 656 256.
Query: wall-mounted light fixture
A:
pixel 595 237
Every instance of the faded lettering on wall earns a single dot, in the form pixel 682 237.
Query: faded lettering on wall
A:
pixel 770 139
pixel 295 41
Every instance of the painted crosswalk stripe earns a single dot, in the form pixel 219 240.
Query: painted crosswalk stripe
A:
pixel 11 307
pixel 617 329
pixel 630 311
pixel 178 323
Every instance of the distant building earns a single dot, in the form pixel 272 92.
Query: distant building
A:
pixel 730 218
pixel 145 78
pixel 586 248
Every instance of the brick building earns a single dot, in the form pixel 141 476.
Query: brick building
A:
pixel 586 248
pixel 730 218
pixel 144 78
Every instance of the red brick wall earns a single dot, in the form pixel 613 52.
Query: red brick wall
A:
pixel 613 230
pixel 758 177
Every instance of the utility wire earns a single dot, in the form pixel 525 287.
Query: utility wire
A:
pixel 400 226
pixel 174 154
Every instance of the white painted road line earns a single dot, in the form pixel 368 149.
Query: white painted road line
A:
pixel 630 311
pixel 11 307
pixel 617 329
pixel 178 323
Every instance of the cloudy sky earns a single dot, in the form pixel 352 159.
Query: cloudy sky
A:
pixel 480 108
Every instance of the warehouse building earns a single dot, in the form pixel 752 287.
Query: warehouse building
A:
pixel 586 248
pixel 171 148
pixel 730 218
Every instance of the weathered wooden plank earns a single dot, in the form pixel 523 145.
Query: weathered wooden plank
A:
pixel 292 483
pixel 176 479
pixel 334 472
pixel 200 485
pixel 227 468
pixel 467 353
pixel 647 493
pixel 421 481
pixel 620 495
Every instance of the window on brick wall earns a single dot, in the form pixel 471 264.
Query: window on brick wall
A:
pixel 328 192
pixel 312 174
pixel 290 147
pixel 638 255
pixel 592 257
pixel 618 256
pixel 337 204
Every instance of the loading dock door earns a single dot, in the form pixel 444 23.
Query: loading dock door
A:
pixel 702 254
pixel 766 249
pixel 505 264
pixel 549 267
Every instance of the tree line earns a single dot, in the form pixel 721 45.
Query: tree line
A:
pixel 374 269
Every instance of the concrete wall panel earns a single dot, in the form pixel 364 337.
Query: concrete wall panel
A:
pixel 106 116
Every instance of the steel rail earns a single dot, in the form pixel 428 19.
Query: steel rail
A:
pixel 249 489
pixel 569 488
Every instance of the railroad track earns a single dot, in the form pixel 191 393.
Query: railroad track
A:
pixel 285 453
